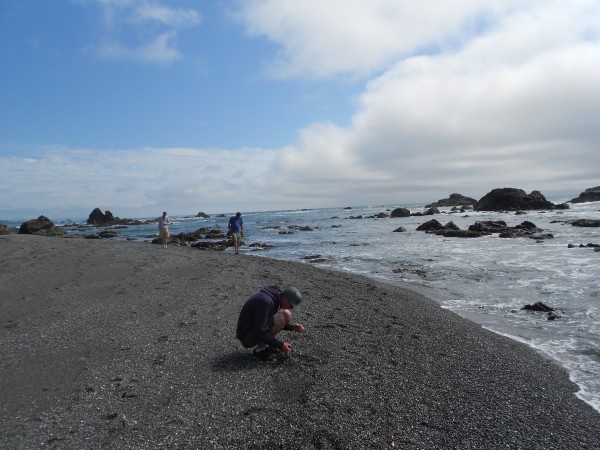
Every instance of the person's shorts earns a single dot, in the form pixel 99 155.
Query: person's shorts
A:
pixel 236 237
pixel 249 339
pixel 164 232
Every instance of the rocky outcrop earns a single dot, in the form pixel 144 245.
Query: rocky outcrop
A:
pixel 42 226
pixel 106 219
pixel 485 228
pixel 449 230
pixel 511 199
pixel 489 226
pixel 191 238
pixel 453 200
pixel 589 195
pixel 203 215
pixel 97 217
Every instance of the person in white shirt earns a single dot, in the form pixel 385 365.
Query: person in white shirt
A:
pixel 163 228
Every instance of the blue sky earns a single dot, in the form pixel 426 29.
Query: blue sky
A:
pixel 137 106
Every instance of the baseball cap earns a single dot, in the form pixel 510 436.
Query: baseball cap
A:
pixel 293 295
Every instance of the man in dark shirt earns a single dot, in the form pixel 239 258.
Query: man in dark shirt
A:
pixel 236 230
pixel 263 316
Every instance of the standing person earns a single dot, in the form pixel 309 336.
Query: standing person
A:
pixel 263 316
pixel 236 228
pixel 163 228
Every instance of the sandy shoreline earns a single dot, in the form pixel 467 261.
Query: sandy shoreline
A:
pixel 126 345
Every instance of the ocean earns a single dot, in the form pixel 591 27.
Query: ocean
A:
pixel 486 280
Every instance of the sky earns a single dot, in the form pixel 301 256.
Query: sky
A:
pixel 141 106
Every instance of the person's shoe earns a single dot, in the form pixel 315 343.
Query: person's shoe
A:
pixel 263 355
pixel 272 350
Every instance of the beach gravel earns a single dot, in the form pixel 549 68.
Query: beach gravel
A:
pixel 115 344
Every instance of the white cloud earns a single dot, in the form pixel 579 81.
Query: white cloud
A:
pixel 142 30
pixel 355 36
pixel 514 103
pixel 177 17
pixel 160 50
pixel 137 181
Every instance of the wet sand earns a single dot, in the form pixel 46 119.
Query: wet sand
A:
pixel 127 345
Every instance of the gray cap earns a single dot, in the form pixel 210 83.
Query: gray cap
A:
pixel 293 295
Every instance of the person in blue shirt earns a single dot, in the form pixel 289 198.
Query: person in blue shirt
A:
pixel 263 316
pixel 236 229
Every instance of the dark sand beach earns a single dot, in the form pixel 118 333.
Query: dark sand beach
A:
pixel 126 345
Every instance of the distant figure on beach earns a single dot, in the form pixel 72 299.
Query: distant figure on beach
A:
pixel 263 316
pixel 163 228
pixel 236 229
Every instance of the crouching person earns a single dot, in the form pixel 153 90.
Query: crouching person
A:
pixel 263 316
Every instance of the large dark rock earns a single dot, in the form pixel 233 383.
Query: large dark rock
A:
pixel 106 219
pixel 589 195
pixel 400 212
pixel 489 226
pixel 511 199
pixel 42 226
pixel 454 200
pixel 99 218
pixel 432 225
pixel 484 228
pixel 551 313
pixel 203 215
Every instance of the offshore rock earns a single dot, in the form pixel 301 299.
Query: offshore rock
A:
pixel 485 228
pixel 97 217
pixel 538 306
pixel 589 195
pixel 489 226
pixel 106 219
pixel 454 200
pixel 400 212
pixel 586 223
pixel 428 212
pixel 511 199
pixel 432 225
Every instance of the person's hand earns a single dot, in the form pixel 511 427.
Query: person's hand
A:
pixel 286 347
pixel 298 328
